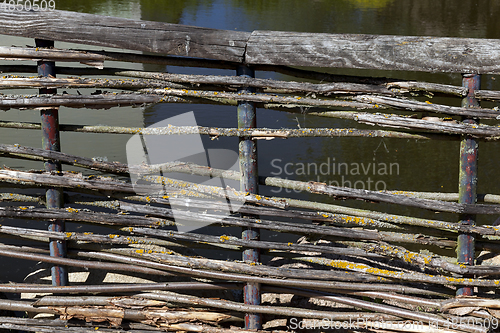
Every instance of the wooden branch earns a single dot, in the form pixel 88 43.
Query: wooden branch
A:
pixel 245 243
pixel 413 105
pixel 216 132
pixel 70 214
pixel 427 260
pixel 107 185
pixel 451 127
pixel 392 310
pixel 188 202
pixel 79 238
pixel 82 263
pixel 332 214
pixel 171 327
pixel 344 192
pixel 401 275
pixel 276 310
pixel 487 95
pixel 199 301
pixel 270 85
pixel 365 217
pixel 78 101
pixel 214 206
pixel 106 288
pixel 46 82
pixel 36 54
pixel 164 80
pixel 142 299
pixel 257 279
pixel 150 267
pixel 300 229
pixel 115 167
pixel 260 98
pixel 488 198
pixel 115 313
pixel 395 85
pixel 94 57
pixel 470 302
pixel 407 86
pixel 243 268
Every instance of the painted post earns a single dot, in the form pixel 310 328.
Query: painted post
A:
pixel 249 183
pixel 51 141
pixel 467 187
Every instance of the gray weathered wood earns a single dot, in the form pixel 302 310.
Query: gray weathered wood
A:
pixel 106 100
pixel 487 94
pixel 440 126
pixel 408 53
pixel 413 105
pixel 157 37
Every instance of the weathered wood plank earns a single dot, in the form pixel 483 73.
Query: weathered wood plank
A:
pixel 157 37
pixel 408 53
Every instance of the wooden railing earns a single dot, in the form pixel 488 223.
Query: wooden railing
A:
pixel 408 53
pixel 390 272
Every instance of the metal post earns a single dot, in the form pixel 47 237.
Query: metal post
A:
pixel 51 141
pixel 249 183
pixel 467 187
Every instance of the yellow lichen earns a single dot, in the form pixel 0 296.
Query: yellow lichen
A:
pixel 224 238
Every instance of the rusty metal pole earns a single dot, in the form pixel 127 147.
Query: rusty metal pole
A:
pixel 467 187
pixel 51 141
pixel 249 183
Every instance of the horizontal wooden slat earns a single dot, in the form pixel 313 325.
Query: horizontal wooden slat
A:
pixel 409 53
pixel 427 54
pixel 164 38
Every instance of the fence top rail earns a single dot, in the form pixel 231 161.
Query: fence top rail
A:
pixel 408 53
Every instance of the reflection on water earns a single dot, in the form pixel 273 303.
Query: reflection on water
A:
pixel 370 3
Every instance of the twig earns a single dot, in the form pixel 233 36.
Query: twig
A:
pixel 400 275
pixel 413 105
pixel 216 132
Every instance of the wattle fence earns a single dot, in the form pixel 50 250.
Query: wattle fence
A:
pixel 352 265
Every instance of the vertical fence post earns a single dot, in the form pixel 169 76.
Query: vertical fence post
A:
pixel 51 141
pixel 249 183
pixel 467 187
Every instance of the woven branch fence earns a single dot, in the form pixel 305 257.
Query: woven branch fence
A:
pixel 357 267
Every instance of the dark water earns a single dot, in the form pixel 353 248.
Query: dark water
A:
pixel 392 164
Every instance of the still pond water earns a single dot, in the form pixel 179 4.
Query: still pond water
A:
pixel 392 164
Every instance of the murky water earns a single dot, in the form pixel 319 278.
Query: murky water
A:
pixel 364 163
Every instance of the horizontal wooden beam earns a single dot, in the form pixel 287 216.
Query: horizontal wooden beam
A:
pixel 148 36
pixel 407 53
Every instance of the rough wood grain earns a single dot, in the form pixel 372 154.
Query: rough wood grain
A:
pixel 413 105
pixel 439 126
pixel 157 37
pixel 408 53
pixel 436 205
pixel 107 100
pixel 487 94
